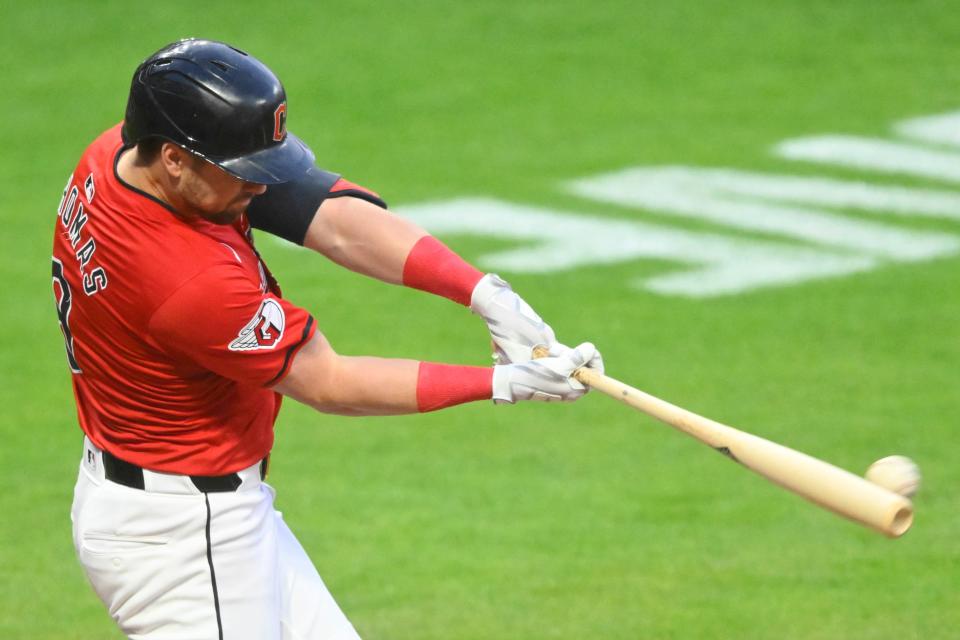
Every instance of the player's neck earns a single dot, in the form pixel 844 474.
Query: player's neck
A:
pixel 145 177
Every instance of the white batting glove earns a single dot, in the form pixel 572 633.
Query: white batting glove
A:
pixel 514 327
pixel 545 379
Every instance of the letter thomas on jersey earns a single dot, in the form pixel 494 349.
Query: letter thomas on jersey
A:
pixel 264 331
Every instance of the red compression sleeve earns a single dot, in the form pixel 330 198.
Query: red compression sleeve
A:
pixel 446 385
pixel 431 266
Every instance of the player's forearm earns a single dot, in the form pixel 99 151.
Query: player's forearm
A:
pixel 366 386
pixel 369 240
pixel 363 237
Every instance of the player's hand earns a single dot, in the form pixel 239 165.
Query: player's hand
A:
pixel 515 328
pixel 545 379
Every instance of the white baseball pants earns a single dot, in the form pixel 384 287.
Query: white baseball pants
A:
pixel 173 563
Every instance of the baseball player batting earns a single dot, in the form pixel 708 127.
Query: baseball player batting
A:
pixel 182 346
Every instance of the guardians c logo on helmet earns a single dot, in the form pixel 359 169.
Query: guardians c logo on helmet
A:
pixel 280 122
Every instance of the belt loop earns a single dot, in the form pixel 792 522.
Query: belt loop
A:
pixel 92 461
pixel 121 471
pixel 217 484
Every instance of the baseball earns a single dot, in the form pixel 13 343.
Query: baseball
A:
pixel 896 473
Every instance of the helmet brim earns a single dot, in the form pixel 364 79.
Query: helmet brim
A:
pixel 280 163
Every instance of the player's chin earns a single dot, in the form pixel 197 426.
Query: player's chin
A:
pixel 228 216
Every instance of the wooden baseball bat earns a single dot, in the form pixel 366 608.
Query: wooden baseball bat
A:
pixel 822 483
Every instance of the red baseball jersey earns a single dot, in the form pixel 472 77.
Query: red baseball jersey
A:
pixel 174 329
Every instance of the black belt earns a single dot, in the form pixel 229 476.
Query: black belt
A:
pixel 130 475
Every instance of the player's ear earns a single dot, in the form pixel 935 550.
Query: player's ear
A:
pixel 173 158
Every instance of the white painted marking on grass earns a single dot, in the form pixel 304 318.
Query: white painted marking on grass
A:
pixel 938 129
pixel 721 264
pixel 737 199
pixel 827 192
pixel 873 154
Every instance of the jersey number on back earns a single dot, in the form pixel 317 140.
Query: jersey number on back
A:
pixel 63 298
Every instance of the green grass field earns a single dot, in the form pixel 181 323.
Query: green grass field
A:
pixel 582 521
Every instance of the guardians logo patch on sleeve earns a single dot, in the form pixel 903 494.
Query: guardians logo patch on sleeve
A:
pixel 264 331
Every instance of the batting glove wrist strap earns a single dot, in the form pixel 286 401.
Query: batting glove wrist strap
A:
pixel 547 379
pixel 514 326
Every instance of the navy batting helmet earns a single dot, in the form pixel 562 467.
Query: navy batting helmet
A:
pixel 219 103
